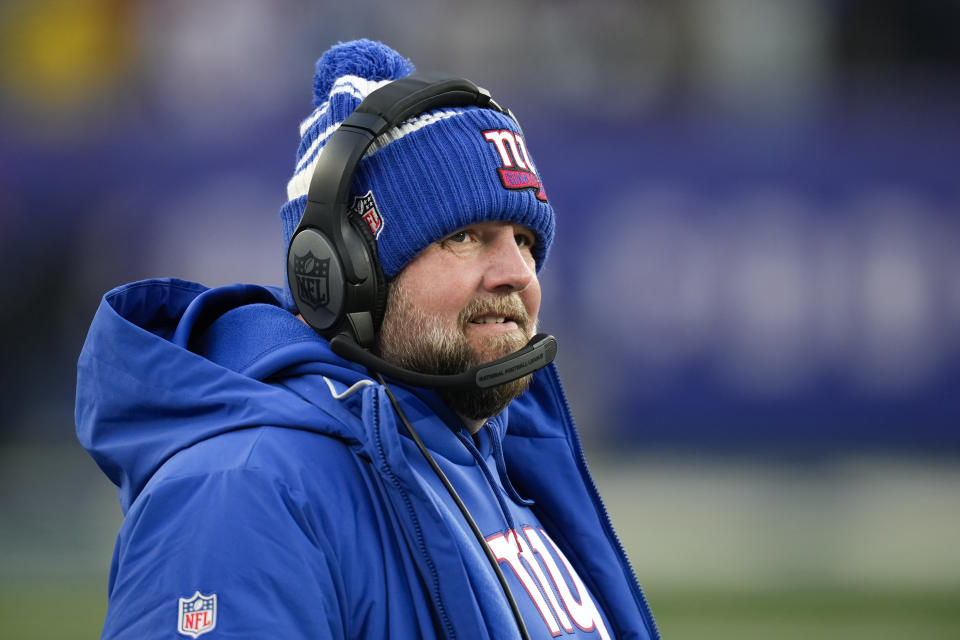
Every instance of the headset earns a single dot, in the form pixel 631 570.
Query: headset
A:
pixel 332 265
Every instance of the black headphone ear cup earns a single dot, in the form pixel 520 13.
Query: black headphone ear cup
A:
pixel 380 281
pixel 316 279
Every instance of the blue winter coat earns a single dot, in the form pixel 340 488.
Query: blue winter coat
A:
pixel 254 464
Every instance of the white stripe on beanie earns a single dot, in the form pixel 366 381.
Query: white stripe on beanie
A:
pixel 359 87
pixel 299 184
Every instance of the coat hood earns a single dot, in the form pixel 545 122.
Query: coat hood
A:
pixel 153 378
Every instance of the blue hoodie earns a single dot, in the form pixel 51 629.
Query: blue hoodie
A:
pixel 270 491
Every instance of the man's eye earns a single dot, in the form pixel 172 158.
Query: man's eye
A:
pixel 523 240
pixel 458 237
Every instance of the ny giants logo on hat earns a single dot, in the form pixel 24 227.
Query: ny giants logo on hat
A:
pixel 517 172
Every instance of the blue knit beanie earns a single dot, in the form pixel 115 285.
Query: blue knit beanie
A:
pixel 436 173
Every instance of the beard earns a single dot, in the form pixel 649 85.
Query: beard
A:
pixel 413 340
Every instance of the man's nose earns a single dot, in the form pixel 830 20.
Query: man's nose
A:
pixel 508 266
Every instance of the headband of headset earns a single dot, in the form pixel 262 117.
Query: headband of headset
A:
pixel 332 267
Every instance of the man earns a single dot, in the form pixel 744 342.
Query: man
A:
pixel 274 489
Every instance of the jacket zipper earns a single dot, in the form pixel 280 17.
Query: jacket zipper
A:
pixel 598 503
pixel 421 545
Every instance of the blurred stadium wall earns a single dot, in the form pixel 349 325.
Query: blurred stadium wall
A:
pixel 756 282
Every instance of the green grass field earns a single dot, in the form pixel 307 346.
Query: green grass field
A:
pixel 809 612
pixel 74 608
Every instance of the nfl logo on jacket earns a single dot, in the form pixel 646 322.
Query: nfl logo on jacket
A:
pixel 197 614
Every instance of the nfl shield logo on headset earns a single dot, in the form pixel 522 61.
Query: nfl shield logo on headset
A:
pixel 197 614
pixel 312 274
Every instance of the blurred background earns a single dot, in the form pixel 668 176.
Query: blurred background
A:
pixel 755 285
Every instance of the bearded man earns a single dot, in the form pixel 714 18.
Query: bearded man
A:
pixel 272 488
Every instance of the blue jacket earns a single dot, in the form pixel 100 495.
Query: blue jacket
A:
pixel 254 464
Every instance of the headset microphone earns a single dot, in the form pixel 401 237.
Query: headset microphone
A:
pixel 539 352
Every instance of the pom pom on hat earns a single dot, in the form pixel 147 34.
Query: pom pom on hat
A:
pixel 361 58
pixel 436 173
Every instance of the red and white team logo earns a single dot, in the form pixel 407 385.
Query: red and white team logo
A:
pixel 557 591
pixel 517 171
pixel 366 207
pixel 197 614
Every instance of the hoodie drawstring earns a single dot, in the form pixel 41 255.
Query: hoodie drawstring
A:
pixel 498 492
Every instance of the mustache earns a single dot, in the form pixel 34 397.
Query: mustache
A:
pixel 508 306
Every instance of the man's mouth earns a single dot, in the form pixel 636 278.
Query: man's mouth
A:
pixel 490 319
pixel 494 315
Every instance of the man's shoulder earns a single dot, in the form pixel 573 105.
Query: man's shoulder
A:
pixel 298 459
pixel 265 493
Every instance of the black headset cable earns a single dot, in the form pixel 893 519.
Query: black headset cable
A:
pixel 462 507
